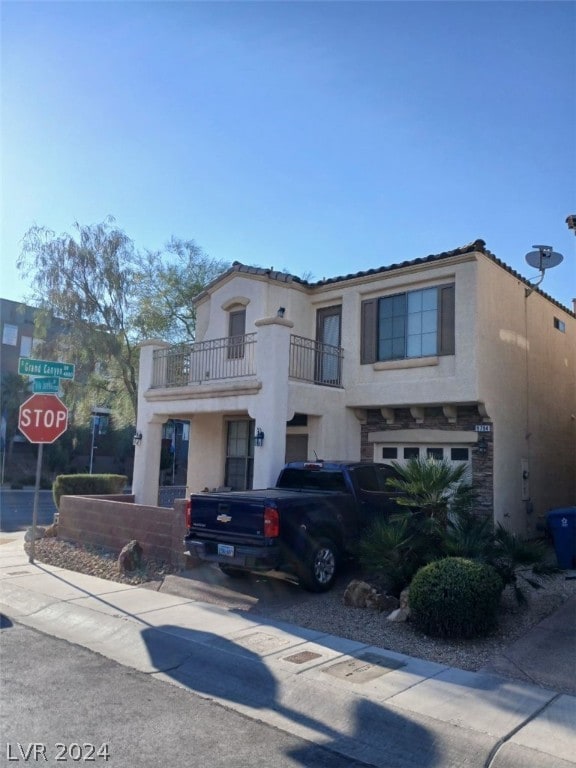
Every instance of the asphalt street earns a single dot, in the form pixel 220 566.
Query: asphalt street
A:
pixel 68 705
pixel 16 509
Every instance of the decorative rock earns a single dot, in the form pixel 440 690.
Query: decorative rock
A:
pixel 387 602
pixel 359 594
pixel 400 614
pixel 130 558
pixel 40 533
pixel 51 531
pixel 405 598
pixel 403 612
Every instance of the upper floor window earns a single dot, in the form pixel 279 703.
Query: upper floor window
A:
pixel 408 325
pixel 26 343
pixel 560 325
pixel 10 334
pixel 236 332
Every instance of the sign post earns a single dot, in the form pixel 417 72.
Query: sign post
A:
pixel 36 500
pixel 41 419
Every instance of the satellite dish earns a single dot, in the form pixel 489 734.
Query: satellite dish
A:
pixel 542 259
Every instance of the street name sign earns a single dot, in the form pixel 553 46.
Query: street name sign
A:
pixel 50 384
pixel 29 367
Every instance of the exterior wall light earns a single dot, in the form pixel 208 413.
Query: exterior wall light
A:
pixel 137 439
pixel 482 447
pixel 281 311
pixel 259 438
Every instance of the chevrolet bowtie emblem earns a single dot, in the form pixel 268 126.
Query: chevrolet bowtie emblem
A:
pixel 223 518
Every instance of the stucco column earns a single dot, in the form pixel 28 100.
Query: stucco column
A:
pixel 147 452
pixel 147 464
pixel 270 409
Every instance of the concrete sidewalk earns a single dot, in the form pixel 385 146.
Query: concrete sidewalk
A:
pixel 365 702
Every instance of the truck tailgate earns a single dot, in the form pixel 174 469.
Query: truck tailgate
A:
pixel 228 515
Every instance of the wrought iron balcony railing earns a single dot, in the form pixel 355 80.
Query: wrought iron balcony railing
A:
pixel 227 358
pixel 315 362
pixel 234 357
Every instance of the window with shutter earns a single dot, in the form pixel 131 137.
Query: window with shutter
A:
pixel 408 325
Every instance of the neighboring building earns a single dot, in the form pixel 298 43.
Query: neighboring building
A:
pixel 17 334
pixel 18 327
pixel 453 356
pixel 19 340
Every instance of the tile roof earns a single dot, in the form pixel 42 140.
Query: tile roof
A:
pixel 477 246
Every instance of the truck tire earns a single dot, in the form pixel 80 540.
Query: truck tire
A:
pixel 318 573
pixel 233 573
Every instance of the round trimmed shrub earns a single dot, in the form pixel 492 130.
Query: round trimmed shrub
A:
pixel 455 598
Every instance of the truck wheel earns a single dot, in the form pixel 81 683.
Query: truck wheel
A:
pixel 233 573
pixel 319 572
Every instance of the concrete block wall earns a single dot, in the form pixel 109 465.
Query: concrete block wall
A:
pixel 113 521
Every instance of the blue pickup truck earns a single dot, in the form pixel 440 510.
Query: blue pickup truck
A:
pixel 304 527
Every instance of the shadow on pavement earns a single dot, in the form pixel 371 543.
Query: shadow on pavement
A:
pixel 223 670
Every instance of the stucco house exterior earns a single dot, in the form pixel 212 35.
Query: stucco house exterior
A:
pixel 454 355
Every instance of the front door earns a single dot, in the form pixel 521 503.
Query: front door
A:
pixel 239 455
pixel 296 448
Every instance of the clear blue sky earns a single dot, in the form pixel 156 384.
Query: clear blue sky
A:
pixel 323 138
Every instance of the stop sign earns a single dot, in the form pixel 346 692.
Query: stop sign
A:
pixel 43 418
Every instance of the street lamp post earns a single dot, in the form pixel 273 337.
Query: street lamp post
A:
pixel 99 416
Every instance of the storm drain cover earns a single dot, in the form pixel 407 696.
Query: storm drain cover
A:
pixel 261 642
pixel 367 667
pixel 303 657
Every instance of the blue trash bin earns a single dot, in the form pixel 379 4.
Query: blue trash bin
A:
pixel 562 525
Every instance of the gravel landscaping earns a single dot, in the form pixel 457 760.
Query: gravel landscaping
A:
pixel 327 613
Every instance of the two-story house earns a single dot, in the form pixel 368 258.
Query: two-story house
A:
pixel 454 356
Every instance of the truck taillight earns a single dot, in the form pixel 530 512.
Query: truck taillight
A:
pixel 189 514
pixel 271 522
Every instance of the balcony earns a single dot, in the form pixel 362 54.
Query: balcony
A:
pixel 184 364
pixel 315 362
pixel 233 357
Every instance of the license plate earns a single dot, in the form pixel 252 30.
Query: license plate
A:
pixel 226 549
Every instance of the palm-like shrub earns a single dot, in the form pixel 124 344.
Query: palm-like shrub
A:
pixel 439 522
pixel 432 487
pixel 469 535
pixel 518 561
pixel 394 549
pixel 430 491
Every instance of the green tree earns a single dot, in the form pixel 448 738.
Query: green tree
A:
pixel 168 281
pixel 109 297
pixel 87 279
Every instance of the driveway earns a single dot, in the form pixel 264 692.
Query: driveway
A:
pixel 259 594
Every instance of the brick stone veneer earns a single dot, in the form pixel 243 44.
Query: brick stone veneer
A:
pixel 113 521
pixel 434 418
